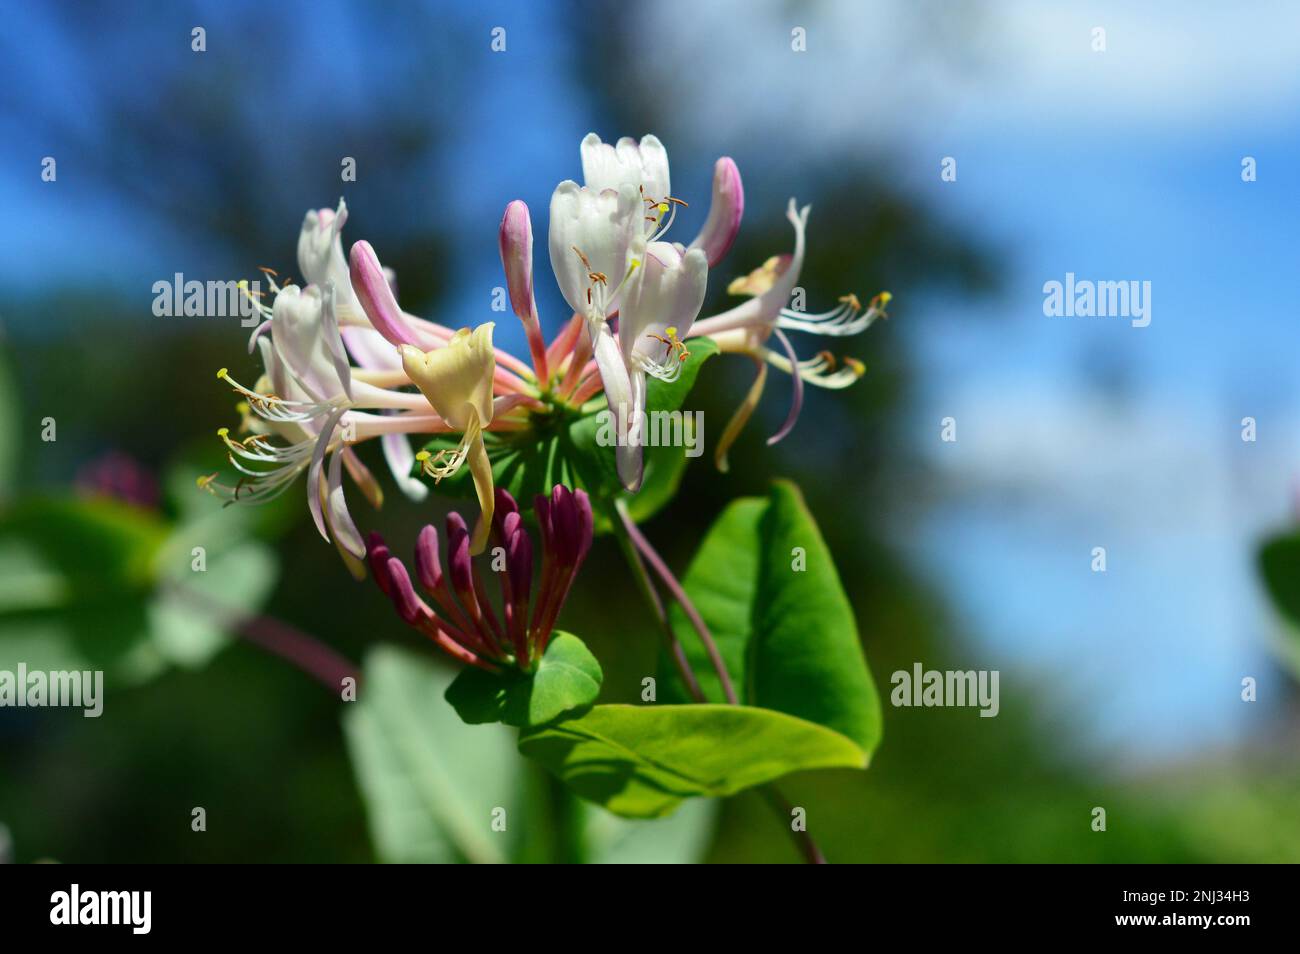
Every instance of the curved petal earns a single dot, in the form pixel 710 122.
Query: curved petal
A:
pixel 654 167
pixel 480 467
pixel 314 493
pixel 796 401
pixel 725 211
pixel 336 509
pixel 628 455
pixel 376 296
pixel 619 399
pixel 401 459
pixel 334 343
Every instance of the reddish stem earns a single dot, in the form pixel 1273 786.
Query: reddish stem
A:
pixel 679 594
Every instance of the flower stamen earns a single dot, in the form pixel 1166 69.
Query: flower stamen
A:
pixel 443 464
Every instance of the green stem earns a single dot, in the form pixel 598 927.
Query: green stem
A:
pixel 652 597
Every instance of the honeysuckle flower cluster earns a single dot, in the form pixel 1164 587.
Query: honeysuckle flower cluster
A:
pixel 342 363
pixel 464 623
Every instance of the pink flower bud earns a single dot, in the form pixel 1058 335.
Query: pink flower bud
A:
pixel 376 296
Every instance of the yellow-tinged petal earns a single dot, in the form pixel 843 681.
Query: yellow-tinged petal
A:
pixel 760 279
pixel 739 419
pixel 456 378
pixel 480 467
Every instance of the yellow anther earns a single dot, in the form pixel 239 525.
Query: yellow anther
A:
pixel 423 456
pixel 857 366
pixel 881 300
pixel 222 432
pixel 663 206
pixel 671 343
pixel 222 373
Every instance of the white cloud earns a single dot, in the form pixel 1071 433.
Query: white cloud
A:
pixel 875 72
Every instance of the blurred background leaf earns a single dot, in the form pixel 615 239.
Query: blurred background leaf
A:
pixel 432 782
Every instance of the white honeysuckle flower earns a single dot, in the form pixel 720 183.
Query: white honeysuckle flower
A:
pixel 304 397
pixel 747 328
pixel 606 252
pixel 457 380
pixel 659 307
pixel 303 382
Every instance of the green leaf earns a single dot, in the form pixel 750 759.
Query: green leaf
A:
pixel 9 429
pixel 787 635
pixel 99 584
pixel 239 578
pixel 1279 561
pixel 76 577
pixel 680 839
pixel 564 448
pixel 641 762
pixel 566 680
pixel 430 782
